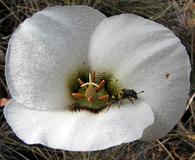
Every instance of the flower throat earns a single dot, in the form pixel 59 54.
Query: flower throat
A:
pixel 91 96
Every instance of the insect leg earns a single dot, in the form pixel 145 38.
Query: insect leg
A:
pixel 130 99
pixel 109 105
pixel 119 103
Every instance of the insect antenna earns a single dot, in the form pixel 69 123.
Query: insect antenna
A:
pixel 140 92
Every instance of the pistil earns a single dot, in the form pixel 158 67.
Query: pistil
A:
pixel 93 91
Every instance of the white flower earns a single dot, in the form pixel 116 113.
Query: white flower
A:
pixel 48 48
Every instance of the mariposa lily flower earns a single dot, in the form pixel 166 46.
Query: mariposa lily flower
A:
pixel 50 64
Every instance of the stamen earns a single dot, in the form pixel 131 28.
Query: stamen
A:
pixel 103 98
pixel 101 85
pixel 93 76
pixel 78 95
pixel 80 81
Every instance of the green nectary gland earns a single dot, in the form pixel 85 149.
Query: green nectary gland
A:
pixel 111 87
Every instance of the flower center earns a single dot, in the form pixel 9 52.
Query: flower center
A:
pixel 90 95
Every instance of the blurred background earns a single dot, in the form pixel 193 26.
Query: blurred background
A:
pixel 177 15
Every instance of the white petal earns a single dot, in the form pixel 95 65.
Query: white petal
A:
pixel 145 55
pixel 79 131
pixel 44 50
